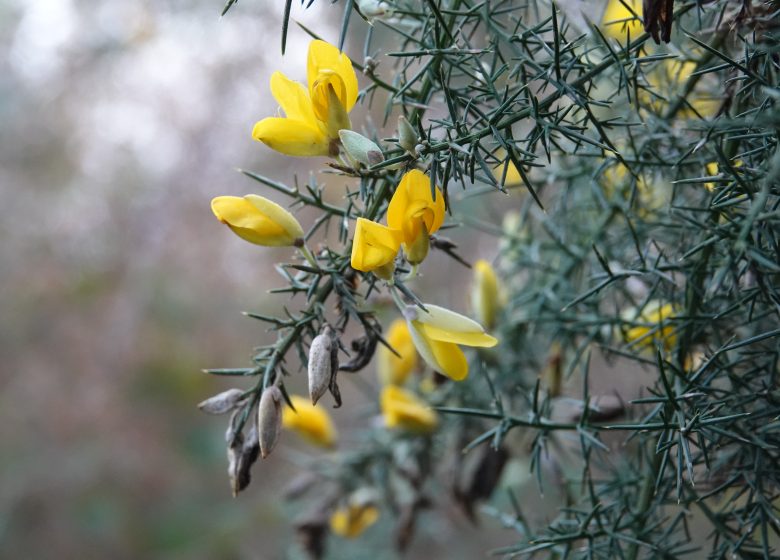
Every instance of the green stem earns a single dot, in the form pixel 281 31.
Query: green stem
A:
pixel 307 254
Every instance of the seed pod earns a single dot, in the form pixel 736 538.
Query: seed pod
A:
pixel 323 363
pixel 223 402
pixel 478 477
pixel 269 419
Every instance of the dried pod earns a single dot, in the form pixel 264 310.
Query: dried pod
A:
pixel 312 530
pixel 241 456
pixel 407 520
pixel 658 16
pixel 479 477
pixel 235 446
pixel 364 349
pixel 269 419
pixel 602 408
pixel 223 402
pixel 323 354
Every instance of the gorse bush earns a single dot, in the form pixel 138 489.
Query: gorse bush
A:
pixel 639 173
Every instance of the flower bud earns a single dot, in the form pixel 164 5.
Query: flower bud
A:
pixel 374 9
pixel 269 419
pixel 223 402
pixel 485 297
pixel 360 148
pixel 323 363
pixel 407 136
pixel 258 220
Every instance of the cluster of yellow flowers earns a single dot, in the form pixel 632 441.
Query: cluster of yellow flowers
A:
pixel 314 124
pixel 414 213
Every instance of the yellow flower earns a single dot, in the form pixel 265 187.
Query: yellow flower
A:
pixel 311 422
pixel 374 248
pixel 651 195
pixel 258 220
pixel 485 293
pixel 392 369
pixel 313 116
pixel 403 409
pixel 351 520
pixel 618 21
pixel 437 333
pixel 513 177
pixel 655 318
pixel 713 170
pixel 668 80
pixel 415 212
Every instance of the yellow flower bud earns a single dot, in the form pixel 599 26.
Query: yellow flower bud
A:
pixel 374 247
pixel 313 116
pixel 392 369
pixel 258 220
pixel 657 326
pixel 351 520
pixel 485 296
pixel 415 212
pixel 403 409
pixel 312 423
pixel 436 334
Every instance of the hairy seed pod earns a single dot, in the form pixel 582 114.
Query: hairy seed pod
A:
pixel 321 370
pixel 223 402
pixel 269 419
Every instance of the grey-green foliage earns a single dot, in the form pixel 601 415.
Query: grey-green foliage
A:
pixel 613 144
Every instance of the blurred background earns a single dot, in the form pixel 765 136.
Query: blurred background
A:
pixel 120 122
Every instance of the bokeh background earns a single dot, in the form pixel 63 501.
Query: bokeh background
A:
pixel 120 121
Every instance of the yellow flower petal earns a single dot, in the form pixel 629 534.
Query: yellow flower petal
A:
pixel 311 422
pixel 351 520
pixel 403 409
pixel 392 369
pixel 294 99
pixel 618 21
pixel 444 318
pixel 257 220
pixel 412 204
pixel 658 327
pixel 374 245
pixel 474 338
pixel 436 334
pixel 291 137
pixel 324 61
pixel 451 360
